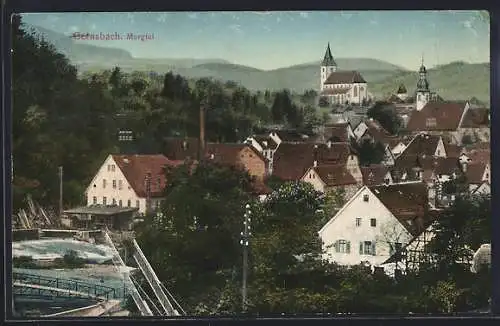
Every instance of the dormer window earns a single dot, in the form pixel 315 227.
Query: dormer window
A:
pixel 430 122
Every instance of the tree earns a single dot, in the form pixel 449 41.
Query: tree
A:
pixel 323 102
pixel 386 115
pixel 370 152
pixel 195 243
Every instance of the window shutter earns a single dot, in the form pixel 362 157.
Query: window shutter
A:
pixel 361 248
pixel 374 245
pixel 336 246
pixel 348 247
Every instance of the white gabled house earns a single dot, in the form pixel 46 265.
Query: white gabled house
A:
pixel 129 180
pixel 375 223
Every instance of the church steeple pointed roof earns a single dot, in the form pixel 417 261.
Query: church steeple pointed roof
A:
pixel 328 58
pixel 422 84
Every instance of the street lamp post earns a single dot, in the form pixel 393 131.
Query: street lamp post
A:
pixel 245 240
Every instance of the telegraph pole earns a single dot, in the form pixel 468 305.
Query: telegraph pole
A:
pixel 148 192
pixel 60 191
pixel 245 240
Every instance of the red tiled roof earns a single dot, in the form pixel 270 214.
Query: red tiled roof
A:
pixel 374 174
pixel 452 150
pixel 476 118
pixel 228 153
pixel 437 116
pixel 408 202
pixel 334 175
pixel 479 156
pixel 422 144
pixel 136 168
pixel 475 172
pixel 345 77
pixel 291 160
pixel 379 133
pixel 337 133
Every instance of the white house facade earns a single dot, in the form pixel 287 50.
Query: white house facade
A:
pixel 113 185
pixel 364 230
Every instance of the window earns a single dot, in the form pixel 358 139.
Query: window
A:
pixel 430 122
pixel 114 184
pixel 109 167
pixel 358 221
pixel 137 203
pixel 112 167
pixel 129 203
pixel 158 183
pixel 367 248
pixel 438 152
pixel 104 183
pixel 396 247
pixel 343 246
pixel 365 198
pixel 355 90
pixel 104 199
pixel 373 222
pixel 120 203
pixel 94 200
pixel 322 69
pixel 120 184
pixel 114 201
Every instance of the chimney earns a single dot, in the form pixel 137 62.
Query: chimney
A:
pixel 315 163
pixel 202 132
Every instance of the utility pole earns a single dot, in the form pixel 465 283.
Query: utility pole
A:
pixel 148 192
pixel 245 241
pixel 60 191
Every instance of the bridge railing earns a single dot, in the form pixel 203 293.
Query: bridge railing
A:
pixel 92 290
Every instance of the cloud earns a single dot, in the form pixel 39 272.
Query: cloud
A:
pixel 236 28
pixel 93 27
pixel 73 29
pixel 192 15
pixel 278 19
pixel 304 15
pixel 267 28
pixel 235 17
pixel 373 22
pixel 262 12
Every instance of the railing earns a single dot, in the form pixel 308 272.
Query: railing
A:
pixel 118 261
pixel 153 280
pixel 60 287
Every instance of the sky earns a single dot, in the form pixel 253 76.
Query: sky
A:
pixel 270 40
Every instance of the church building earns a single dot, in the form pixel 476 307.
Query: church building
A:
pixel 341 87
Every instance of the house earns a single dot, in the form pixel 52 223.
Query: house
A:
pixel 424 145
pixel 452 120
pixel 130 181
pixel 292 160
pixel 376 222
pixel 337 133
pixel 478 176
pixel 376 174
pixel 371 130
pixel 340 87
pixel 240 155
pixel 266 145
pixel 326 178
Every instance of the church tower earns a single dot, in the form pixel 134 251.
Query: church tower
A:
pixel 327 66
pixel 423 93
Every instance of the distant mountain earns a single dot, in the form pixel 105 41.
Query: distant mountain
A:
pixel 457 80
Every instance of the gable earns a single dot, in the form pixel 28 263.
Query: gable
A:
pixel 104 174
